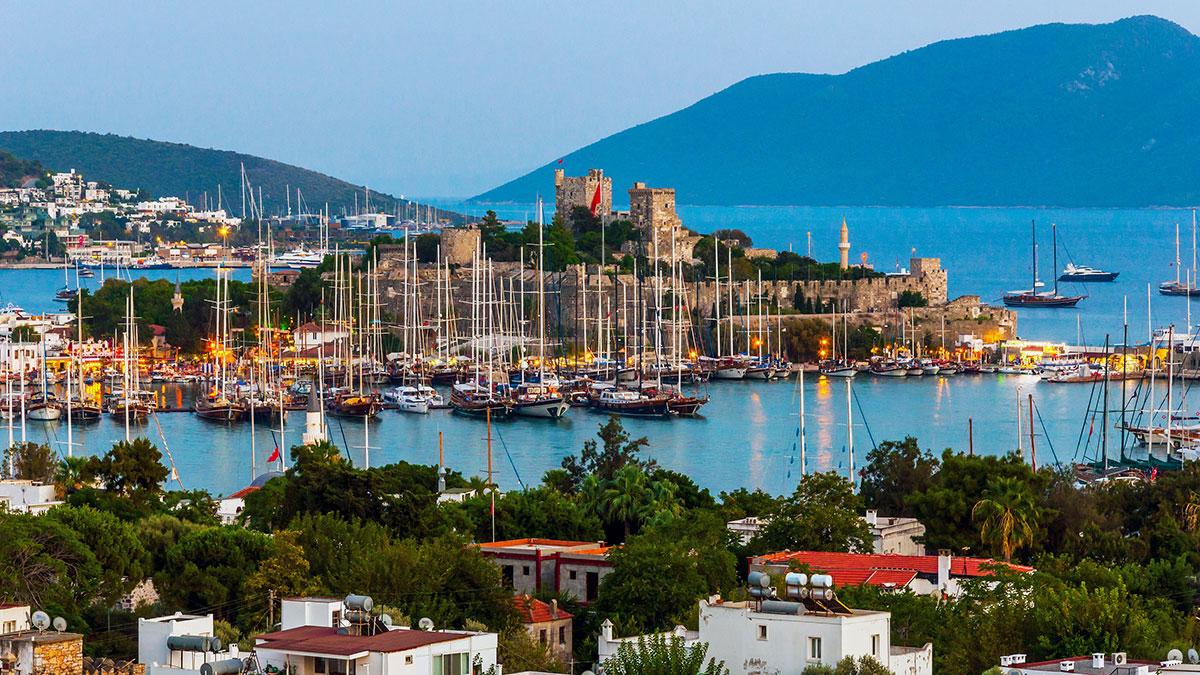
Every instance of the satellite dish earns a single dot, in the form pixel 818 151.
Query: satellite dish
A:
pixel 1175 655
pixel 1193 657
pixel 385 619
pixel 425 623
pixel 59 623
pixel 41 620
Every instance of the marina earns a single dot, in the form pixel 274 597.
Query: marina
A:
pixel 743 422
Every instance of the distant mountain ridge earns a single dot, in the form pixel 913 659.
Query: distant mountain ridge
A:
pixel 1057 115
pixel 177 169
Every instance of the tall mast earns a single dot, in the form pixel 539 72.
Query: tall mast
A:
pixel 1054 270
pixel 541 298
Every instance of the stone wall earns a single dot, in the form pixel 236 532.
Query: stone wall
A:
pixel 652 212
pixel 45 653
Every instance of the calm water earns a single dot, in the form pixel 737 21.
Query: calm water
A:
pixel 748 434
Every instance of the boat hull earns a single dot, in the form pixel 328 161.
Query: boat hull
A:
pixel 549 408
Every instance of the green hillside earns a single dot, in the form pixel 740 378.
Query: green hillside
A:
pixel 162 168
pixel 14 171
pixel 1064 115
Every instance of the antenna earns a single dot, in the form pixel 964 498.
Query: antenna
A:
pixel 1175 655
pixel 40 620
pixel 59 623
pixel 1192 656
pixel 425 623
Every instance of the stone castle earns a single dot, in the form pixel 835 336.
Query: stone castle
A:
pixel 580 191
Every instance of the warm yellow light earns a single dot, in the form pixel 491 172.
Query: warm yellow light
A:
pixel 224 231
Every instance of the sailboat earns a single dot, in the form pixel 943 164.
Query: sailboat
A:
pixel 48 408
pixel 834 367
pixel 131 403
pixel 539 399
pixel 1177 287
pixel 1033 298
pixel 217 404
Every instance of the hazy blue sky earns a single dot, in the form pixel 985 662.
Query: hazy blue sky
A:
pixel 445 98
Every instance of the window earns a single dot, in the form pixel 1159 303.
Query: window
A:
pixel 542 636
pixel 562 635
pixel 875 645
pixel 507 572
pixel 318 665
pixel 572 575
pixel 9 627
pixel 451 664
pixel 337 619
pixel 408 660
pixel 814 649
pixel 762 632
pixel 525 570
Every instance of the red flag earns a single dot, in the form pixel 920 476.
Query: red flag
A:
pixel 596 198
pixel 274 456
pixel 1153 474
pixel 560 161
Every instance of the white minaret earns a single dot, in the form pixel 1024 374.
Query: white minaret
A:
pixel 844 246
pixel 314 430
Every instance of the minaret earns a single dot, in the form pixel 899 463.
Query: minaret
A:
pixel 844 246
pixel 313 428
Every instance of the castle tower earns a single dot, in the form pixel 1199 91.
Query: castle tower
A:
pixel 314 431
pixel 844 246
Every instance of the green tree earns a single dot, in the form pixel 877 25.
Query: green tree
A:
pixel 605 461
pixel 284 571
pixel 1007 516
pixel 31 461
pixel 894 470
pixel 911 299
pixel 519 652
pixel 44 564
pixel 208 567
pixel 123 560
pixel 132 468
pixel 663 655
pixel 823 514
pixel 689 551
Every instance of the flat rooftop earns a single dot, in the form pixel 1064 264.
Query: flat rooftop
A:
pixel 533 545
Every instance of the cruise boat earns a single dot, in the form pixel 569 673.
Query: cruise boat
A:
pixel 217 408
pixel 833 368
pixel 631 403
pixel 1083 273
pixel 419 399
pixel 66 294
pixel 468 398
pixel 298 258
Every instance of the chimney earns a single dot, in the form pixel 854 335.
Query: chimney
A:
pixel 1097 659
pixel 943 568
pixel 872 517
pixel 606 631
pixel 554 608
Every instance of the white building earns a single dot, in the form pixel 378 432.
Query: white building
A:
pixel 27 496
pixel 311 335
pixel 14 618
pixel 1098 663
pixel 180 644
pixel 787 637
pixel 319 636
pixel 897 535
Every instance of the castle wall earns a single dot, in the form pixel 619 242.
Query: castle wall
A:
pixel 579 191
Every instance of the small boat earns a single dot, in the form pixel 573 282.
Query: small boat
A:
pixel 1177 288
pixel 1085 274
pixel 838 369
pixel 86 272
pixel 888 369
pixel 85 412
pixel 352 404
pixel 420 399
pixel 66 294
pixel 467 398
pixel 537 400
pixel 216 408
pixel 632 403
pixel 44 410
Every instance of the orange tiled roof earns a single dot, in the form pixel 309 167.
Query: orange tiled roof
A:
pixel 850 569
pixel 533 610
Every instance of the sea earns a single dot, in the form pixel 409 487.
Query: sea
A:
pixel 749 434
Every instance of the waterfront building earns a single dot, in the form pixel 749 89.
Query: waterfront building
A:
pixel 787 637
pixel 533 565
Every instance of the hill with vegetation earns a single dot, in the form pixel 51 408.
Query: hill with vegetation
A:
pixel 176 169
pixel 1066 115
pixel 15 171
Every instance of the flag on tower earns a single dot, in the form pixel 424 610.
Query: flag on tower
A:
pixel 596 197
pixel 274 456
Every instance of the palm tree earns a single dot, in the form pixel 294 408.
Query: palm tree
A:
pixel 1007 516
pixel 627 496
pixel 69 475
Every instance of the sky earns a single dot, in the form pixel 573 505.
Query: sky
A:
pixel 447 98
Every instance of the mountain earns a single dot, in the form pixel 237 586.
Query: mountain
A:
pixel 175 169
pixel 14 171
pixel 1058 114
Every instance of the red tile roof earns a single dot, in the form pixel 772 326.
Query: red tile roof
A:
pixel 533 610
pixel 325 640
pixel 562 543
pixel 241 494
pixel 852 569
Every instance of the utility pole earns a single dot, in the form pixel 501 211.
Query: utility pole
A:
pixel 271 608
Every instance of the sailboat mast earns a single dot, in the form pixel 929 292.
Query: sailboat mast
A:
pixel 1054 241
